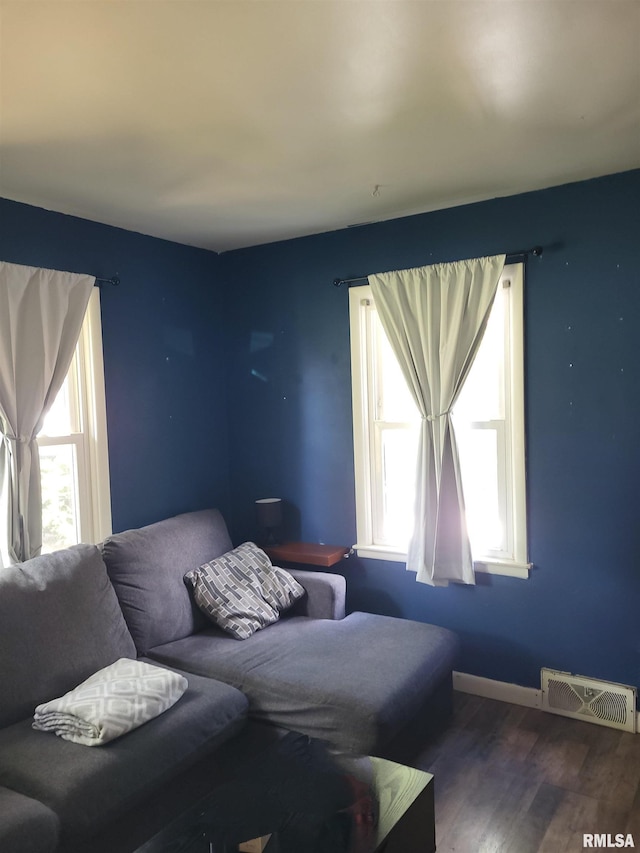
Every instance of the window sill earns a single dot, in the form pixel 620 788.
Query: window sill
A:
pixel 494 567
pixel 380 552
pixel 510 570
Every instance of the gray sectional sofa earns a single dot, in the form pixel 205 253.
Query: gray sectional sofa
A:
pixel 364 683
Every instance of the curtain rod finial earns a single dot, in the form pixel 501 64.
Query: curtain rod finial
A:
pixel 114 281
pixel 537 251
pixel 337 282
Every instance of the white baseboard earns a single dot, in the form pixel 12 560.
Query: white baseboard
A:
pixel 503 691
pixel 500 690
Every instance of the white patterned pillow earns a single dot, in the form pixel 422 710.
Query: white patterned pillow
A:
pixel 241 591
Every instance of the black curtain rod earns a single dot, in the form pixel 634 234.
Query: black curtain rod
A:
pixel 510 258
pixel 114 281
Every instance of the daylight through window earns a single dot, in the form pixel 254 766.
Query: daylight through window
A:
pixel 489 423
pixel 73 448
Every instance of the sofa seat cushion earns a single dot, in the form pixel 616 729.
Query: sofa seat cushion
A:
pixel 147 567
pixel 354 682
pixel 87 787
pixel 59 623
pixel 26 826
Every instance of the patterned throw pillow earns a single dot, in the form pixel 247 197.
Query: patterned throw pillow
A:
pixel 241 591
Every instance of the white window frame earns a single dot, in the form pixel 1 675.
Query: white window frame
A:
pixel 87 399
pixel 513 562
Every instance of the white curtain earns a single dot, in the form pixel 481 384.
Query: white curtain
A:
pixel 435 318
pixel 41 314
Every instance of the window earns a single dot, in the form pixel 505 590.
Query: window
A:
pixel 74 466
pixel 489 422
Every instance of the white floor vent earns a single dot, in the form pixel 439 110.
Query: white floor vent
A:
pixel 588 699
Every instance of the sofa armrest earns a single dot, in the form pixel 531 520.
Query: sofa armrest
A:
pixel 326 594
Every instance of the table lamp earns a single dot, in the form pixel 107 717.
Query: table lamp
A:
pixel 269 512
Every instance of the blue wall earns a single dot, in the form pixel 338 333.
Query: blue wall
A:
pixel 228 379
pixel 290 419
pixel 164 352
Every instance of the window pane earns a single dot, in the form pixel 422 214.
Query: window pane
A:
pixel 482 396
pixel 399 454
pixel 395 401
pixel 58 419
pixel 60 520
pixel 478 449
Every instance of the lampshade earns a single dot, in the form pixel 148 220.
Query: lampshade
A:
pixel 269 512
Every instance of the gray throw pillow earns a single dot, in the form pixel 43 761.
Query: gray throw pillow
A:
pixel 241 591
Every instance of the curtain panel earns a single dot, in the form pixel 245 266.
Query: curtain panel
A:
pixel 434 318
pixel 41 314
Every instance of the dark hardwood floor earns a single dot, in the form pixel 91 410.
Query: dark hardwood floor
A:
pixel 510 779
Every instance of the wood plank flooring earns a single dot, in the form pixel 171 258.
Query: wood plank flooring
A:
pixel 510 779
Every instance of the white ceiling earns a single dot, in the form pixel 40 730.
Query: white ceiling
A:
pixel 228 124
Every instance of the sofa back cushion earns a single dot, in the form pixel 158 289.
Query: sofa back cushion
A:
pixel 147 566
pixel 59 623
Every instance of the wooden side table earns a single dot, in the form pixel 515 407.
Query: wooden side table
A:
pixel 306 553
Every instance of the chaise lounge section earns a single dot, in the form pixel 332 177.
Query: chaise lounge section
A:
pixel 356 681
